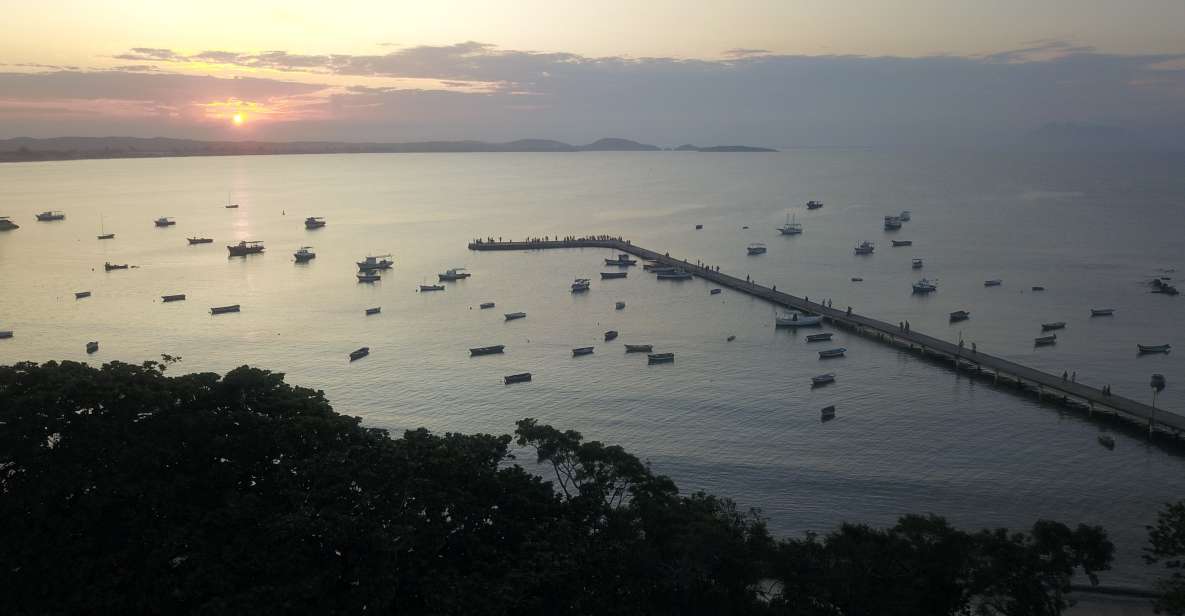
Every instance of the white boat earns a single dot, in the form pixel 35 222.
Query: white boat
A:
pixel 677 274
pixel 924 286
pixel 797 319
pixel 377 262
pixel 581 285
pixel 756 248
pixel 892 223
pixel 510 316
pixel 791 227
pixel 456 273
pixel 905 216
pixel 917 264
pixel 865 248
pixel 164 221
pixel 305 254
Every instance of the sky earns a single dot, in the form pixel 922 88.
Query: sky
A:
pixel 781 73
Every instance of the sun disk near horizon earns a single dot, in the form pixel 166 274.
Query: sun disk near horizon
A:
pixel 237 119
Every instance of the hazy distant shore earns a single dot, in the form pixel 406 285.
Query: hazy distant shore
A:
pixel 26 149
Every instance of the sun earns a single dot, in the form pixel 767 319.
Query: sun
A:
pixel 237 119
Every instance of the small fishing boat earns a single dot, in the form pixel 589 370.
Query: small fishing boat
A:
pixel 517 378
pixel 924 286
pixel 791 227
pixel 993 283
pixel 829 353
pixel 1052 326
pixel 857 279
pixel 714 292
pixel 581 285
pixel 82 294
pixel 899 243
pixel 375 310
pixel 485 305
pixel 730 338
pixel 314 222
pixel 92 346
pixel 1045 340
pixel 660 358
pixel 112 266
pixel 6 333
pixel 224 309
pixel 431 287
pixel 245 248
pixel 622 259
pixel 865 248
pixel 608 275
pixel 368 277
pixel 828 413
pixel 639 348
pixel 676 274
pixel 814 205
pixel 6 224
pixel 359 354
pixel 822 379
pixel 1107 441
pixel 905 215
pixel 582 351
pixel 1038 288
pixel 610 335
pixel 698 227
pixel 797 319
pixel 756 248
pixel 917 264
pixel 200 240
pixel 304 254
pixel 892 223
pixel 510 316
pixel 487 350
pixel 960 315
pixel 1155 348
pixel 164 221
pixel 819 337
pixel 179 297
pixel 619 306
pixel 1102 312
pixel 375 263
pixel 229 205
pixel 50 215
pixel 661 269
pixel 456 273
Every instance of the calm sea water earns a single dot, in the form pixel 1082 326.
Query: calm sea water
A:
pixel 735 418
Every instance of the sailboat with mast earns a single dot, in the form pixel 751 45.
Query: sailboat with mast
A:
pixel 791 227
pixel 103 235
pixel 229 205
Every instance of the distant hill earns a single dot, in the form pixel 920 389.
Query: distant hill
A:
pixel 69 148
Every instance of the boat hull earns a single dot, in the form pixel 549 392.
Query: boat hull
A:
pixel 1159 348
pixel 180 297
pixel 517 378
pixel 224 309
pixel 639 348
pixel 489 350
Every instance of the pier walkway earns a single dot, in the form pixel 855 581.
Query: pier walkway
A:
pixel 1045 384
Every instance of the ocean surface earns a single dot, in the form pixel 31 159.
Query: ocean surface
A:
pixel 737 418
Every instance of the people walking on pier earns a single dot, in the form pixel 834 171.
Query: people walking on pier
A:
pixel 907 326
pixel 1074 377
pixel 1065 375
pixel 849 311
pixel 973 349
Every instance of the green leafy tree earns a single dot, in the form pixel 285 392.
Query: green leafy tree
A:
pixel 1167 546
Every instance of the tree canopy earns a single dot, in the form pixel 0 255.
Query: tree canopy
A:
pixel 125 489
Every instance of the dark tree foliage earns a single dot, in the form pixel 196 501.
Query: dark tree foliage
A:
pixel 1167 545
pixel 123 490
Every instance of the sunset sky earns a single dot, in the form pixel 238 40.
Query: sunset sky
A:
pixel 809 72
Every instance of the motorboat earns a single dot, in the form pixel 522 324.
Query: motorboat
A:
pixel 6 333
pixel 924 286
pixel 822 379
pixel 714 292
pixel 224 309
pixel 164 221
pixel 791 227
pixel 797 319
pixel 662 269
pixel 431 287
pixel 993 283
pixel 814 205
pixel 485 305
pixel 819 337
pixel 112 266
pixel 178 297
pixel 828 413
pixel 1052 326
pixel 622 259
pixel 581 285
pixel 50 215
pixel 304 254
pixel 6 224
pixel 1107 441
pixel 677 274
pixel 699 227
pixel 245 248
pixel 374 263
pixel 857 279
pixel 510 316
pixel 1155 348
pixel 610 335
pixel 730 338
pixel 1038 288
pixel 639 348
pixel 582 351
pixel 375 310
pixel 368 277
pixel 905 215
pixel 359 354
pixel 865 248
pixel 660 358
pixel 899 243
pixel 1102 312
pixel 92 346
pixel 314 222
pixel 1045 340
pixel 892 223
pixel 608 275
pixel 917 264
pixel 619 306
pixel 199 240
pixel 82 294
pixel 522 377
pixel 756 248
pixel 960 315
pixel 456 273
pixel 829 353
pixel 487 350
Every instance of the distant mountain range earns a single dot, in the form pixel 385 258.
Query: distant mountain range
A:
pixel 69 148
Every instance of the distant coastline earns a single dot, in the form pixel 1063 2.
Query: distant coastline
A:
pixel 27 149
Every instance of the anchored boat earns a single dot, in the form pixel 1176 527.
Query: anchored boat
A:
pixel 639 348
pixel 510 316
pixel 517 378
pixel 829 353
pixel 619 306
pixel 892 223
pixel 917 264
pixel 819 337
pixel 1155 348
pixel 200 240
pixel 376 310
pixel 714 292
pixel 622 259
pixel 905 215
pixel 865 248
pixel 82 294
pixel 368 277
pixel 487 350
pixel 898 243
pixel 581 285
pixel 756 248
pixel 304 254
pixel 1102 312
pixel 960 315
pixel 456 273
pixel 359 353
pixel 224 309
pixel 164 221
pixel 7 225
pixel 112 266
pixel 610 335
pixel 792 227
pixel 582 351
pixel 993 283
pixel 814 205
pixel 1045 340
pixel 245 248
pixel 375 263
pixel 822 379
pixel 608 275
pixel 92 346
pixel 660 358
pixel 179 297
pixel 924 286
pixel 485 305
pixel 674 274
pixel 1052 326
pixel 431 287
pixel 797 319
pixel 314 222
pixel 50 215
pixel 828 413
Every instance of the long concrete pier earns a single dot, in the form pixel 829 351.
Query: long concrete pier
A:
pixel 999 369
